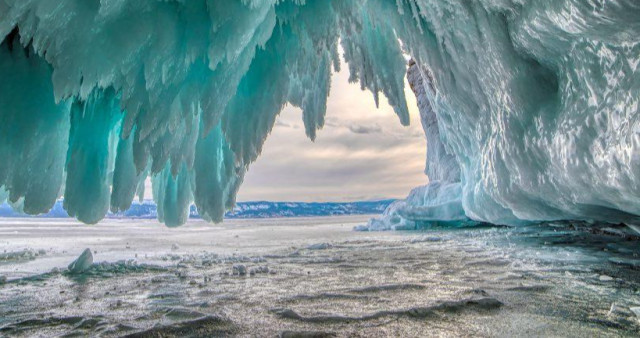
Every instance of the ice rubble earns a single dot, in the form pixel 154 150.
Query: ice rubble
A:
pixel 530 107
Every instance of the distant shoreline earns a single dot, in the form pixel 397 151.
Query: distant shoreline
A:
pixel 243 210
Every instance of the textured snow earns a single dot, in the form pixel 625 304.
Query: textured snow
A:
pixel 530 107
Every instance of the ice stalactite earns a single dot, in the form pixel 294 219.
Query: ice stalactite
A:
pixel 99 95
pixel 89 156
pixel 34 131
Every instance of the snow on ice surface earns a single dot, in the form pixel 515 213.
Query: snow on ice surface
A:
pixel 535 103
pixel 263 277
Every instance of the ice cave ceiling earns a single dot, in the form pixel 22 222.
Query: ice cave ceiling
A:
pixel 533 103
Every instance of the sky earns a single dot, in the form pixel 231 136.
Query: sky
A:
pixel 362 153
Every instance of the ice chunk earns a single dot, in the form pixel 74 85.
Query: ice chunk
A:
pixel 605 278
pixel 435 202
pixel 27 254
pixel 635 228
pixel 319 246
pixel 239 269
pixel 361 227
pixel 82 263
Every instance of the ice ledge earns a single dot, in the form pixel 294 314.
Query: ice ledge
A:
pixel 437 202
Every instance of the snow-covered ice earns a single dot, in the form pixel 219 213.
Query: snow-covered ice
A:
pixel 460 281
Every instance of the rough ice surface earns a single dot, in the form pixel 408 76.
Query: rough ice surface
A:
pixel 260 279
pixel 534 103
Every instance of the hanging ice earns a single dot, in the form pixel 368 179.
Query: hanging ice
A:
pixel 530 107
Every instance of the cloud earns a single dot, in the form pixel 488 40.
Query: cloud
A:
pixel 333 122
pixel 284 124
pixel 412 134
pixel 356 128
pixel 362 129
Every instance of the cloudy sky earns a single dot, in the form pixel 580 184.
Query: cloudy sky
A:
pixel 362 153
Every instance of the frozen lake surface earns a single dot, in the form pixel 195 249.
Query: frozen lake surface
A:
pixel 315 277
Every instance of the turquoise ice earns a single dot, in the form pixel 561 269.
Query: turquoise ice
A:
pixel 533 104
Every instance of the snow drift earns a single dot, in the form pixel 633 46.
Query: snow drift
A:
pixel 533 105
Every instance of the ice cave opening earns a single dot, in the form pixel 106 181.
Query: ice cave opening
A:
pixel 530 108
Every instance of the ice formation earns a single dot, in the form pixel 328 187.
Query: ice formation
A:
pixel 82 263
pixel 530 107
pixel 440 200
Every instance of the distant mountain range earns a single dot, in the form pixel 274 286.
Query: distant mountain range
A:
pixel 147 210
